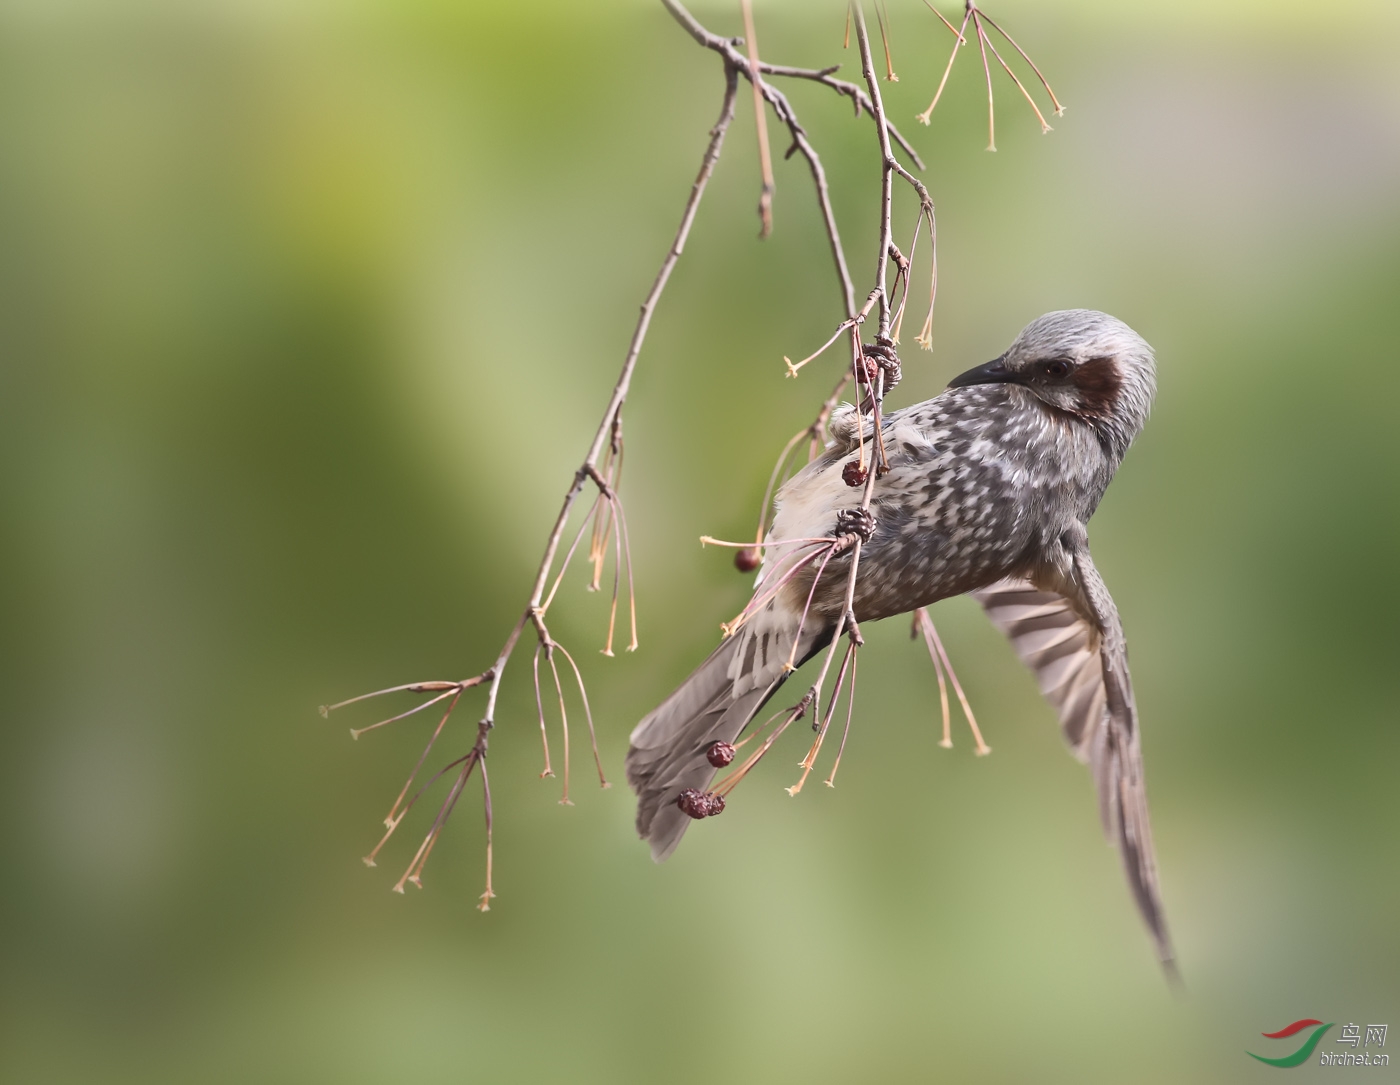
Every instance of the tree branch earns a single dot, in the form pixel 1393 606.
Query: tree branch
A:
pixel 729 49
pixel 602 462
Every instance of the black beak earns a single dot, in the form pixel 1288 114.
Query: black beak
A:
pixel 994 372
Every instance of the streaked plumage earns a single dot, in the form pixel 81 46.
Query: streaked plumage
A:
pixel 990 487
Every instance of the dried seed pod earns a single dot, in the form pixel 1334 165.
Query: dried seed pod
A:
pixel 748 559
pixel 853 474
pixel 720 754
pixel 700 804
pixel 858 522
pixel 693 802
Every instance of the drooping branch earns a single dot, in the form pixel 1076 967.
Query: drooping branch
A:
pixel 601 463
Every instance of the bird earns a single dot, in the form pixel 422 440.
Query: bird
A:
pixel 989 490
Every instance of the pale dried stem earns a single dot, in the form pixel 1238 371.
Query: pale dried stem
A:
pixel 765 155
pixel 1059 109
pixel 393 823
pixel 631 585
pixel 569 554
pixel 791 664
pixel 830 781
pixel 794 367
pixel 922 625
pixel 564 800
pixel 982 748
pixel 987 67
pixel 356 732
pixel 810 760
pixel 617 584
pixel 925 336
pixel 485 903
pixel 768 591
pixel 927 114
pixel 883 20
pixel 539 707
pixel 411 687
pixel 449 804
pixel 882 465
pixel 587 715
pixel 391 819
pixel 602 521
pixel 414 871
pixel 706 540
pixel 907 271
pixel 1044 127
pixel 757 732
pixel 725 786
pixel 867 67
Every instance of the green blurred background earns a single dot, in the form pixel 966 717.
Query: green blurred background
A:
pixel 307 311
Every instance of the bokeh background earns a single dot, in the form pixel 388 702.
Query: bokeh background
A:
pixel 307 311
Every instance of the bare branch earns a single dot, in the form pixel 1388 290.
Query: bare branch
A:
pixel 728 48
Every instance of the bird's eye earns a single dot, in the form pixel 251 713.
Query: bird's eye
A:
pixel 1057 369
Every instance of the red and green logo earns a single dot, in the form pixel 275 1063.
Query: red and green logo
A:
pixel 1303 1053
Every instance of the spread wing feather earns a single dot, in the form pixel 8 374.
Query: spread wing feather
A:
pixel 1073 644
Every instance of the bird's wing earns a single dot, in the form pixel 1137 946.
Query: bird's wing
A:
pixel 1071 639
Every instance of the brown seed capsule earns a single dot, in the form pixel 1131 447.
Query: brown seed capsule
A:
pixel 853 474
pixel 747 559
pixel 714 804
pixel 693 802
pixel 720 754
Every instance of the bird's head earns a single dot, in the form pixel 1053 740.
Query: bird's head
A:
pixel 1085 364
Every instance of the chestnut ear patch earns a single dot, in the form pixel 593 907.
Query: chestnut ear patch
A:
pixel 1098 382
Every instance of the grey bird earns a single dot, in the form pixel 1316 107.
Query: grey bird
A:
pixel 990 488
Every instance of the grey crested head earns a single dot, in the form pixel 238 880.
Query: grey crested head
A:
pixel 1084 363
